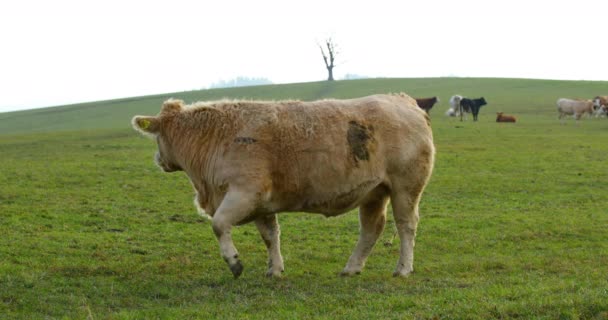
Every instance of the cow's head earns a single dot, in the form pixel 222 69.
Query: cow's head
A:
pixel 597 103
pixel 158 128
pixel 482 101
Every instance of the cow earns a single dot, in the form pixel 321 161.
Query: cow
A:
pixel 501 117
pixel 575 108
pixel 249 160
pixel 600 105
pixel 454 110
pixel 471 106
pixel 599 101
pixel 427 103
pixel 602 111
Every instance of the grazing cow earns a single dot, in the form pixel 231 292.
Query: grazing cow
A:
pixel 575 108
pixel 249 160
pixel 500 117
pixel 602 111
pixel 599 101
pixel 472 106
pixel 454 110
pixel 600 104
pixel 427 103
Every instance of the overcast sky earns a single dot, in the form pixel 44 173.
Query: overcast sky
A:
pixel 58 52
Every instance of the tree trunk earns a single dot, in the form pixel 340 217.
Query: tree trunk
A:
pixel 329 63
pixel 330 71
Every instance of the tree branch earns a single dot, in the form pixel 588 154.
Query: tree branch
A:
pixel 324 56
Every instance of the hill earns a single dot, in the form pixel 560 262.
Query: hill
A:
pixel 508 95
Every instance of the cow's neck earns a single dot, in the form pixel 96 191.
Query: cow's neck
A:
pixel 197 156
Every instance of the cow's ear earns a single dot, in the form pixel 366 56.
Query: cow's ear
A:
pixel 172 106
pixel 149 126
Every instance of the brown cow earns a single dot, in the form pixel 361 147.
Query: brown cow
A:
pixel 249 160
pixel 427 103
pixel 500 117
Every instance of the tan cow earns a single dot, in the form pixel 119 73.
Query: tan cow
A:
pixel 576 108
pixel 249 160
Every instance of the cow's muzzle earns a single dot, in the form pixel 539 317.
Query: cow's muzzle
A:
pixel 163 165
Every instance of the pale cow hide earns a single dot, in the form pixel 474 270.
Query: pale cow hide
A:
pixel 249 160
pixel 575 108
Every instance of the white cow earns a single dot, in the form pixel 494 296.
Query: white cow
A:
pixel 454 110
pixel 575 108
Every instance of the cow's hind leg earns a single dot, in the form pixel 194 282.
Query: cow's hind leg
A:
pixel 405 197
pixel 372 217
pixel 270 232
pixel 405 212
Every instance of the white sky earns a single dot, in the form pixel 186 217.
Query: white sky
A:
pixel 61 51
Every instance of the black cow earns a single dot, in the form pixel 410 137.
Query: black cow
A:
pixel 471 106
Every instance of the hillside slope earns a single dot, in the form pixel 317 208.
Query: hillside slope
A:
pixel 508 95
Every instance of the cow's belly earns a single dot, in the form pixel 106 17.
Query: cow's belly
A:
pixel 332 202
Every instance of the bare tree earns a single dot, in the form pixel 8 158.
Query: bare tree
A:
pixel 329 57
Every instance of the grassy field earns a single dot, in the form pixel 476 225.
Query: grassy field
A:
pixel 508 95
pixel 513 223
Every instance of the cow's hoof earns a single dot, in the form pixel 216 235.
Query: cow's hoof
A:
pixel 274 274
pixel 236 268
pixel 402 274
pixel 350 273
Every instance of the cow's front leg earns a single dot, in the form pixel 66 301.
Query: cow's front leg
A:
pixel 222 230
pixel 235 207
pixel 270 232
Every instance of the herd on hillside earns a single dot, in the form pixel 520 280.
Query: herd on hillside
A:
pixel 461 106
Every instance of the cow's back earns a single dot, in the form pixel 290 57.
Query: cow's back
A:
pixel 571 106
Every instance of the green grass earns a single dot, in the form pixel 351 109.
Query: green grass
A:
pixel 513 223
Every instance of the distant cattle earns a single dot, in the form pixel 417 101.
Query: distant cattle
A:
pixel 249 160
pixel 575 108
pixel 454 110
pixel 599 101
pixel 600 104
pixel 501 117
pixel 471 106
pixel 427 103
pixel 601 112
